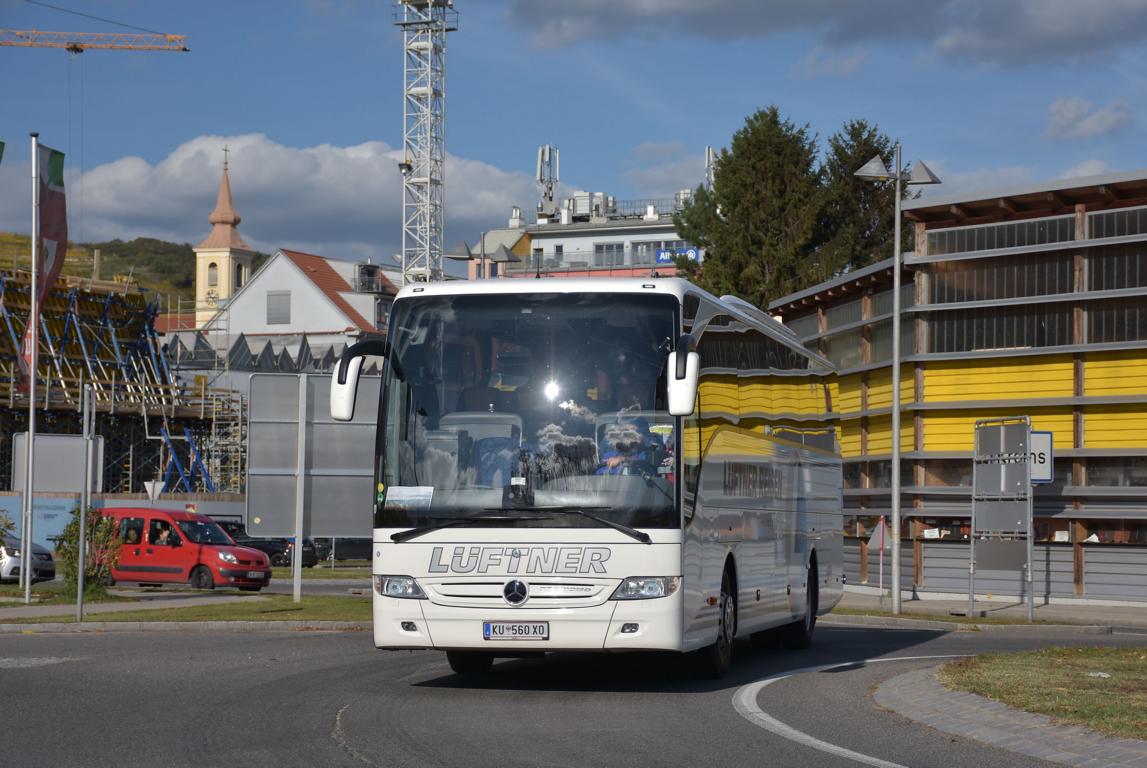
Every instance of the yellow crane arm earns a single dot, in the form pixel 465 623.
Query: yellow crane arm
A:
pixel 78 42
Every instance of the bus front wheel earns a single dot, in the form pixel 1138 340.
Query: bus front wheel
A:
pixel 714 661
pixel 470 662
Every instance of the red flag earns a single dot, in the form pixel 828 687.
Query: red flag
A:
pixel 52 238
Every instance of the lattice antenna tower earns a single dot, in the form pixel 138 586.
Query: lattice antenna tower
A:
pixel 547 176
pixel 424 25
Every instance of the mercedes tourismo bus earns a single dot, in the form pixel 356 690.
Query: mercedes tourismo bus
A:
pixel 597 465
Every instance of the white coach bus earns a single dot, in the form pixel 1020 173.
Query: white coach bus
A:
pixel 597 465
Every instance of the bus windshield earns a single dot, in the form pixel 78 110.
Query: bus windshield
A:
pixel 501 407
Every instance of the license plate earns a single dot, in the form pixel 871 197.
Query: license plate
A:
pixel 516 630
pixel 254 574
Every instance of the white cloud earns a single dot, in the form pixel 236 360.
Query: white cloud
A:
pixel 336 201
pixel 826 63
pixel 1077 118
pixel 660 169
pixel 1086 168
pixel 988 31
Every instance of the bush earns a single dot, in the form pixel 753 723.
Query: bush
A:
pixel 103 551
pixel 6 525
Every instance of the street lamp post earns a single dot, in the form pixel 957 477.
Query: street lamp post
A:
pixel 875 170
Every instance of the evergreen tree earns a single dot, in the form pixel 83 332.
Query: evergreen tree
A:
pixel 856 226
pixel 759 223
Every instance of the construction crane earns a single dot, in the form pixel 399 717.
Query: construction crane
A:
pixel 78 42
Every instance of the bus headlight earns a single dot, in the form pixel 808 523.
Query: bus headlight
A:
pixel 398 586
pixel 646 587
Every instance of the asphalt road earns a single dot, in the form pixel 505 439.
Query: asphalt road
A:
pixel 318 699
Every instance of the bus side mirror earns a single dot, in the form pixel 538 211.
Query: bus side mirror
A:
pixel 344 378
pixel 343 392
pixel 684 367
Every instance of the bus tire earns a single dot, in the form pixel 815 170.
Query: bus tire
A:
pixel 714 661
pixel 470 662
pixel 798 635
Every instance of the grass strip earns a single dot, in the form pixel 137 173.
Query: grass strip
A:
pixel 1065 684
pixel 321 572
pixel 261 608
pixel 56 593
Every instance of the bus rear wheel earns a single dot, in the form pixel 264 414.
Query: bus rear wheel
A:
pixel 798 635
pixel 470 662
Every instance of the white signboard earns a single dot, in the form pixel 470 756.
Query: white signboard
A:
pixel 1040 457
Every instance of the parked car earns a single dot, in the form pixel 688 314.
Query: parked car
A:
pixel 277 550
pixel 159 546
pixel 346 548
pixel 12 556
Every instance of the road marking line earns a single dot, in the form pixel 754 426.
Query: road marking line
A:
pixel 745 702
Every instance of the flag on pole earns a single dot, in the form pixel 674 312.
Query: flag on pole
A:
pixel 1 151
pixel 52 237
pixel 53 220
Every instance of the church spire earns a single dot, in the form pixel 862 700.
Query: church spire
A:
pixel 224 220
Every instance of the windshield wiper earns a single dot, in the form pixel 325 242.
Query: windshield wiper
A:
pixel 570 509
pixel 447 522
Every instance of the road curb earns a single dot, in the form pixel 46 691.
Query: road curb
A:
pixel 184 626
pixel 891 622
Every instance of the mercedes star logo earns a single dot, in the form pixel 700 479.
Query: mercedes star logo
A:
pixel 515 592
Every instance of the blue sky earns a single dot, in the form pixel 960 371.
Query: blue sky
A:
pixel 308 94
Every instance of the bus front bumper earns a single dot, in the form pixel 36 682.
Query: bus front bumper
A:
pixel 616 625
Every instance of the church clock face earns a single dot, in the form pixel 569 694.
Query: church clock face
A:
pixel 212 297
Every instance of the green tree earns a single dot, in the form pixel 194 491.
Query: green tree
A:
pixel 856 225
pixel 102 551
pixel 758 225
pixel 6 525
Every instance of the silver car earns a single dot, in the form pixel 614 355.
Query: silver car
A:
pixel 11 561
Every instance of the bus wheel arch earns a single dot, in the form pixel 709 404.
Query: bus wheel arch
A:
pixel 714 660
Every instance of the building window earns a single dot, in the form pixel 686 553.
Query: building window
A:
pixel 1117 223
pixel 239 276
pixel 1012 327
pixel 1004 278
pixel 278 307
pixel 1017 234
pixel 212 275
pixel 844 349
pixel 608 254
pixel 1110 269
pixel 1114 321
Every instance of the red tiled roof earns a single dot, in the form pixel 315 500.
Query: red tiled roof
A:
pixel 184 321
pixel 330 283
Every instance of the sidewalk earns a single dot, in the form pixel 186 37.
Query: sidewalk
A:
pixel 1117 616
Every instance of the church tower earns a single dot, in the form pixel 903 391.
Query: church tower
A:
pixel 222 261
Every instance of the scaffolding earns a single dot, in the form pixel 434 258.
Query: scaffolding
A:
pixel 152 422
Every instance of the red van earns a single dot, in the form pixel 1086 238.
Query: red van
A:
pixel 159 546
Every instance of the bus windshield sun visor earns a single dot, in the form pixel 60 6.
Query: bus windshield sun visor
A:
pixel 375 347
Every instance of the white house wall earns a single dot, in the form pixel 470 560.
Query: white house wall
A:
pixel 311 310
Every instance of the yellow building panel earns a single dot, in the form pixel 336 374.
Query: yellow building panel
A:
pixel 1115 373
pixel 849 432
pixel 955 430
pixel 880 387
pixel 998 378
pixel 1114 426
pixel 880 434
pixel 847 397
